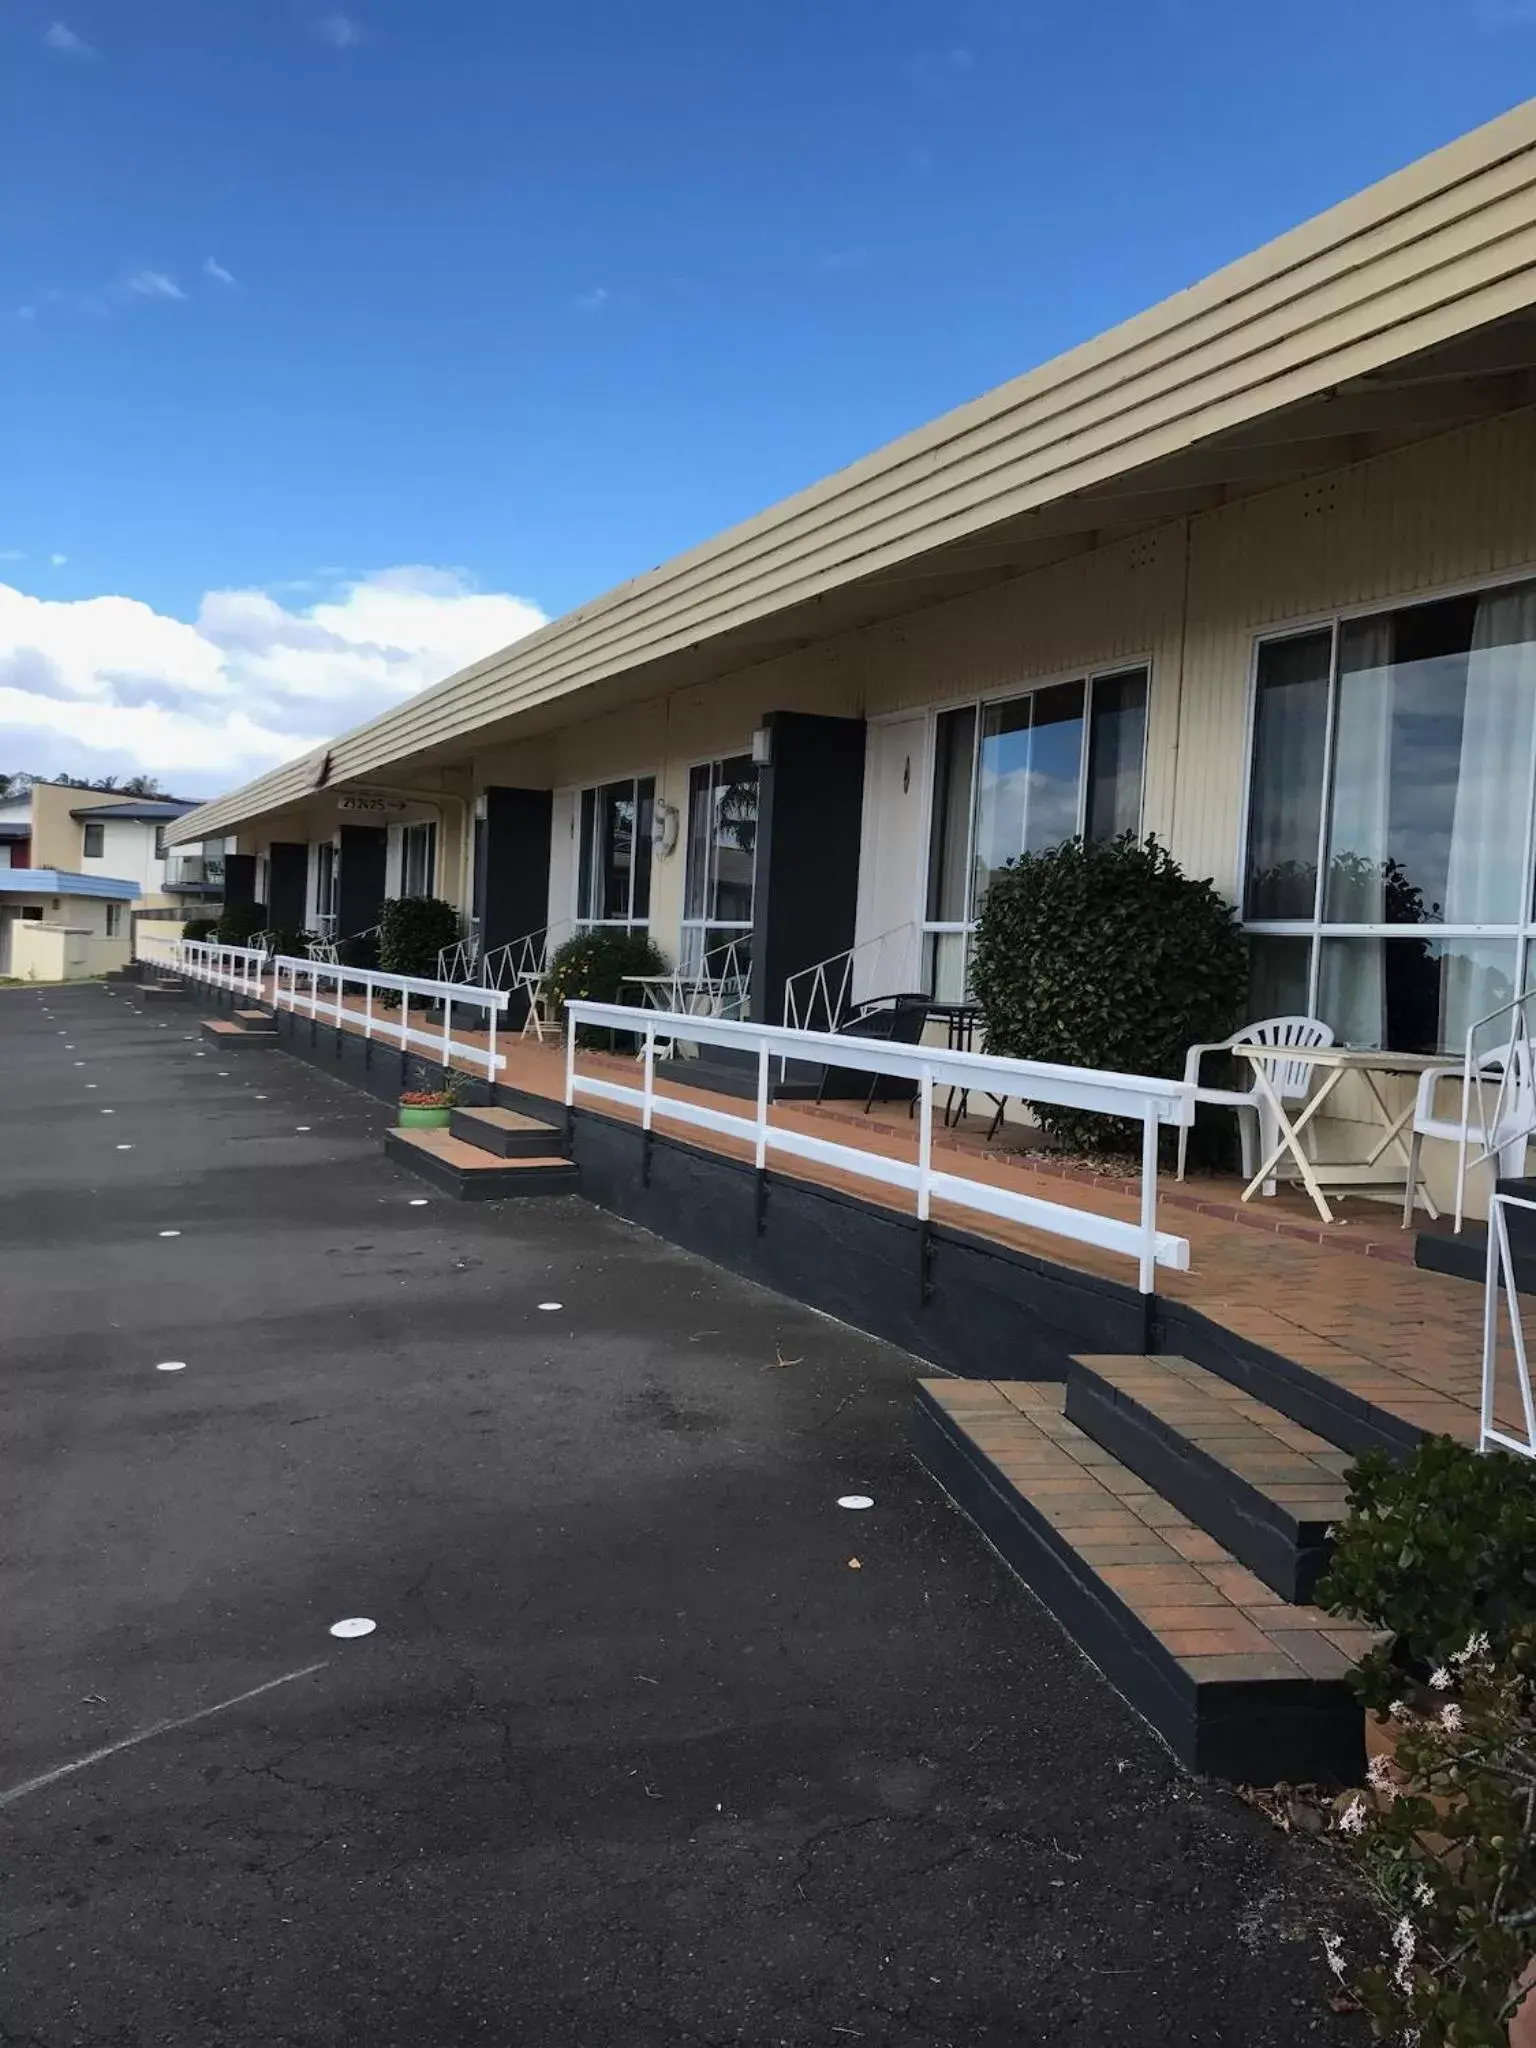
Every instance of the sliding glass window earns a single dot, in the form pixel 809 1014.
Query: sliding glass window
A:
pixel 1388 869
pixel 614 871
pixel 1020 776
pixel 722 854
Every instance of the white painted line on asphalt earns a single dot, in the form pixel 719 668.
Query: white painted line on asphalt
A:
pixel 354 1625
pixel 170 1233
pixel 418 1201
pixel 96 1756
pixel 172 1365
pixel 301 1127
pixel 79 1063
pixel 105 1112
pixel 69 1048
pixel 854 1500
pixel 94 1084
pixel 125 1148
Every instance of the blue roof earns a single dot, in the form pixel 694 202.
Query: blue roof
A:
pixel 59 882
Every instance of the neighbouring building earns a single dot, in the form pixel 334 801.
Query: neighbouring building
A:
pixel 79 868
pixel 1254 572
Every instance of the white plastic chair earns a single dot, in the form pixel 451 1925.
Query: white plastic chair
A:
pixel 1290 1080
pixel 1500 1137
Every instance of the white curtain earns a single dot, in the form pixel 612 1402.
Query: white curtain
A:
pixel 1485 881
pixel 1352 987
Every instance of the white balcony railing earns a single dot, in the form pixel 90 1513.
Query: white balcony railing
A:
pixel 238 968
pixel 1149 1102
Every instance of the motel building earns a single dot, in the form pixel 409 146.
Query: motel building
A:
pixel 1254 572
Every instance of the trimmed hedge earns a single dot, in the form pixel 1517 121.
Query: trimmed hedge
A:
pixel 239 923
pixel 592 966
pixel 1105 954
pixel 413 930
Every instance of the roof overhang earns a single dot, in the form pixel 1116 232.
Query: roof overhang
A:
pixel 60 882
pixel 1405 311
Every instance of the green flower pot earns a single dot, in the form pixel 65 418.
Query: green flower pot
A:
pixel 413 1117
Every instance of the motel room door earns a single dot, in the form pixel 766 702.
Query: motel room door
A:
pixel 891 858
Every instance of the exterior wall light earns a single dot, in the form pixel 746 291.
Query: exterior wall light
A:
pixel 664 827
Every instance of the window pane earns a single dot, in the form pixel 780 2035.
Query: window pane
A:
pixel 947 966
pixel 1277 977
pixel 1055 767
pixel 1031 761
pixel 94 843
pixel 1002 776
pixel 586 892
pixel 696 885
pixel 1432 781
pixel 735 840
pixel 645 811
pixel 950 833
pixel 615 850
pixel 1412 995
pixel 1285 804
pixel 1114 754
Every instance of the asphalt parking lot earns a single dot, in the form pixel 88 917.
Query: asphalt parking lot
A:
pixel 635 1753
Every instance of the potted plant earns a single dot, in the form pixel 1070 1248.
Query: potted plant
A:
pixel 1438 1554
pixel 1434 1551
pixel 431 1109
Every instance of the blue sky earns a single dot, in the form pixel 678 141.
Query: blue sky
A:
pixel 295 294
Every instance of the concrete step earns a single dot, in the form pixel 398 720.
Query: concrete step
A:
pixel 1238 1682
pixel 472 1175
pixel 226 1032
pixel 508 1133
pixel 1264 1486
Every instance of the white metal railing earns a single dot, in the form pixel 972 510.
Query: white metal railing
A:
pixel 1509 1122
pixel 317 988
pixel 1501 1280
pixel 522 966
pixel 716 987
pixel 460 961
pixel 819 997
pixel 239 968
pixel 1149 1102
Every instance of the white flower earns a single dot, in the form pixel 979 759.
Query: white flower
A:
pixel 1476 1646
pixel 1379 1774
pixel 1424 1893
pixel 1442 1679
pixel 1400 1710
pixel 1405 1941
pixel 1450 1717
pixel 1352 1819
pixel 1333 1949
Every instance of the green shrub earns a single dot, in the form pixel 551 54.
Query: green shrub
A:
pixel 239 923
pixel 1105 954
pixel 292 942
pixel 1433 1551
pixel 197 928
pixel 413 930
pixel 592 966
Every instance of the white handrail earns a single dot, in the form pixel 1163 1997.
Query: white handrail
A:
pixel 297 984
pixel 1501 1271
pixel 819 997
pixel 233 967
pixel 1138 1098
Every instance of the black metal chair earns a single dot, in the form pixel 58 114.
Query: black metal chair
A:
pixel 895 1020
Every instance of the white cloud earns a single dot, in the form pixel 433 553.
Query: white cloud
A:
pixel 58 561
pixel 339 30
pixel 107 684
pixel 26 312
pixel 589 302
pixel 13 555
pixel 153 284
pixel 59 36
pixel 216 271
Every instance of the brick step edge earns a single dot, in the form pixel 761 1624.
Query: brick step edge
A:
pixel 1251 1731
pixel 481 1184
pixel 1287 1552
pixel 504 1144
pixel 224 1031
